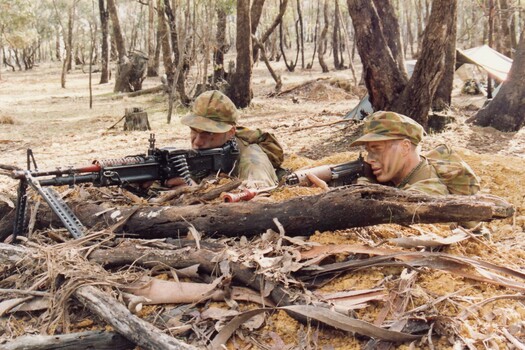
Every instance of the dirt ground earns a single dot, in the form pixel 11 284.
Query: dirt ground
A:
pixel 61 129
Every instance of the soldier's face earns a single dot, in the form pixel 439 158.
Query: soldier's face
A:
pixel 386 159
pixel 201 139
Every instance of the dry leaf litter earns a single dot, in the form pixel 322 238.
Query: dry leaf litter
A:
pixel 464 313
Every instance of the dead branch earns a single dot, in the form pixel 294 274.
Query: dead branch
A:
pixel 130 326
pixel 85 340
pixel 341 208
pixel 141 92
pixel 320 125
pixel 9 168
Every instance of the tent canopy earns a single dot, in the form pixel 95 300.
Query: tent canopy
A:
pixel 494 63
pixel 488 59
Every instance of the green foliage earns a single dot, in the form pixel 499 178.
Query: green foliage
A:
pixel 17 22
pixel 228 5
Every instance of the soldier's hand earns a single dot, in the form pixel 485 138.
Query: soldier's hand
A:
pixel 175 182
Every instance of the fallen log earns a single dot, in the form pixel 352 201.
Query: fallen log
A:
pixel 341 208
pixel 100 340
pixel 151 90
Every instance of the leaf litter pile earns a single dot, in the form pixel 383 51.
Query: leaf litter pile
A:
pixel 418 286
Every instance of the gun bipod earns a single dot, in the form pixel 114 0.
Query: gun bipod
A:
pixel 59 207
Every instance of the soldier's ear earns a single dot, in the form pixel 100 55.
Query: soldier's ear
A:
pixel 406 146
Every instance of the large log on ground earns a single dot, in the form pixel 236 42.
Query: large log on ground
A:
pixel 341 208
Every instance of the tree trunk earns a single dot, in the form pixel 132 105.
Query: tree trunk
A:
pixel 104 56
pixel 416 98
pixel 390 25
pixel 420 26
pixel 505 14
pixel 69 45
pixel 316 32
pixel 443 96
pixel 506 112
pixel 179 58
pixel 322 40
pixel 348 46
pixel 492 12
pixel 152 66
pixel 341 208
pixel 383 78
pixel 282 9
pixel 255 17
pixel 164 39
pixel 513 32
pixel 124 66
pixel 290 66
pixel 131 71
pixel 335 38
pixel 58 53
pixel 410 34
pixel 379 45
pixel 221 48
pixel 301 31
pixel 66 66
pixel 240 89
pixel 255 14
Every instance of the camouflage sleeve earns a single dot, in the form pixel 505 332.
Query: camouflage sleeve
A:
pixel 432 186
pixel 255 167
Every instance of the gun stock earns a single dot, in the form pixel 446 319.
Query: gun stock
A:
pixel 334 175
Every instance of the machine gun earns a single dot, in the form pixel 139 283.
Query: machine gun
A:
pixel 334 175
pixel 157 165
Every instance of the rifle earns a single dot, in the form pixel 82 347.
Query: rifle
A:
pixel 334 175
pixel 157 165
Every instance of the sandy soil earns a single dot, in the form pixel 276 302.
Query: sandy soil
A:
pixel 61 129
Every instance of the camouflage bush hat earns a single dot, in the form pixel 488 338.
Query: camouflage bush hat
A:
pixel 212 111
pixel 383 126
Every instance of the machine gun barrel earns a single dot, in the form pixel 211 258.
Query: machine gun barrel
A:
pixel 157 165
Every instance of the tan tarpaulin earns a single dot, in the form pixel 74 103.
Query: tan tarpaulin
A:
pixel 493 62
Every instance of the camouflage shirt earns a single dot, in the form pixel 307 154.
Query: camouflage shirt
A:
pixel 254 166
pixel 424 180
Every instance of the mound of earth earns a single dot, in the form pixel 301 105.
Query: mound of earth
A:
pixel 325 89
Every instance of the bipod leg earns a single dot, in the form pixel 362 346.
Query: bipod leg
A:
pixel 59 207
pixel 19 226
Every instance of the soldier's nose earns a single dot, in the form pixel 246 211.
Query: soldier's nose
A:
pixel 199 141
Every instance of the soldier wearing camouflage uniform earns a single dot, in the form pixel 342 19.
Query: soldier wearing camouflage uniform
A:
pixel 213 122
pixel 391 140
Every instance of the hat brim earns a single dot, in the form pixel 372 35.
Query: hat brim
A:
pixel 206 124
pixel 374 137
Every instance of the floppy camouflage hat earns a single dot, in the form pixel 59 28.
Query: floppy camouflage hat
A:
pixel 212 111
pixel 383 126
